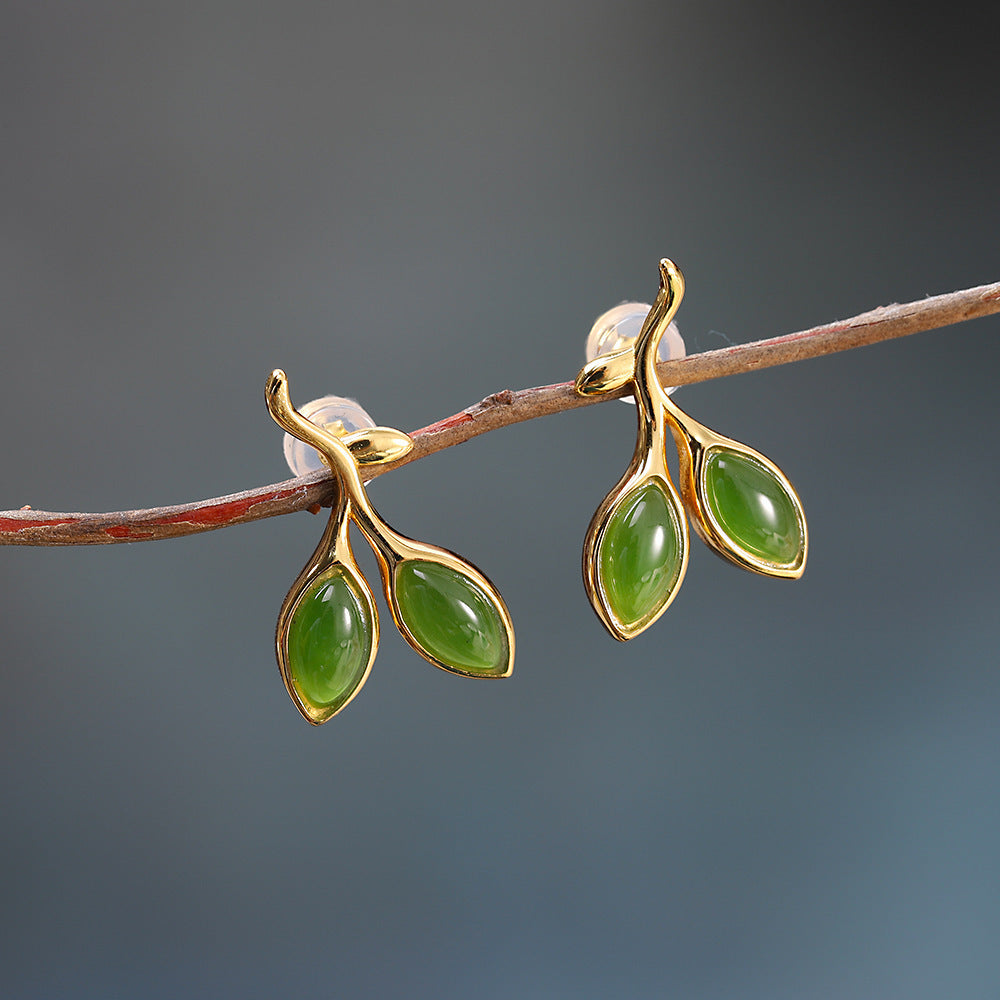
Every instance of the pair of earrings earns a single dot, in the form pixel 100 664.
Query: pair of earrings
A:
pixel 634 556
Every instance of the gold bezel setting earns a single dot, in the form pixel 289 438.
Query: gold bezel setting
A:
pixel 713 533
pixel 393 549
pixel 332 553
pixel 594 579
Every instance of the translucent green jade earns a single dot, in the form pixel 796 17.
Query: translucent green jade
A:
pixel 451 617
pixel 753 507
pixel 329 640
pixel 639 554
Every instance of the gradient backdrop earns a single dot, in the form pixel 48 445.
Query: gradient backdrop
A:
pixel 780 791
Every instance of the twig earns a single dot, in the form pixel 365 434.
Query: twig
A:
pixel 30 527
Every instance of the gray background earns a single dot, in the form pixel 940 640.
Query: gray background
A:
pixel 780 790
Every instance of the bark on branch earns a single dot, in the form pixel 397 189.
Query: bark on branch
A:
pixel 31 527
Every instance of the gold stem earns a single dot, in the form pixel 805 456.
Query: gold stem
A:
pixel 341 461
pixel 652 401
pixel 381 537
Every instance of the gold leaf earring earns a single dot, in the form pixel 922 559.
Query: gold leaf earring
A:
pixel 740 503
pixel 327 633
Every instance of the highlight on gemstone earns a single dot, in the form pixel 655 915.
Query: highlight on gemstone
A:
pixel 640 554
pixel 329 642
pixel 753 507
pixel 452 618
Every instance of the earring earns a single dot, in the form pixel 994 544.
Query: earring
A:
pixel 327 632
pixel 739 502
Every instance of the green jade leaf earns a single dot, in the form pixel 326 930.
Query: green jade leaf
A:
pixel 753 507
pixel 452 618
pixel 639 555
pixel 330 641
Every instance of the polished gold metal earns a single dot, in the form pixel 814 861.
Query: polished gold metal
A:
pixel 695 446
pixel 377 445
pixel 344 455
pixel 695 443
pixel 370 445
pixel 648 464
pixel 333 551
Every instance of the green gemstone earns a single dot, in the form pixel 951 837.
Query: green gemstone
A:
pixel 451 617
pixel 330 641
pixel 640 554
pixel 753 507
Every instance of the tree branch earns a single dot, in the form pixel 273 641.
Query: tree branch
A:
pixel 30 527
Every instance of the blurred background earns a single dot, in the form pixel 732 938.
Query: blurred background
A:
pixel 781 790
